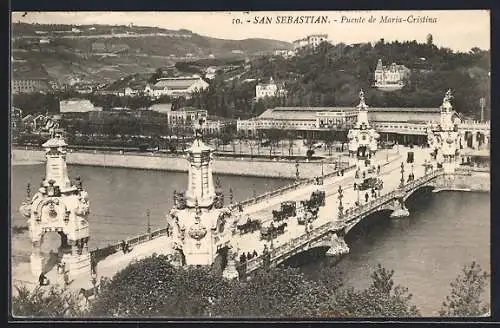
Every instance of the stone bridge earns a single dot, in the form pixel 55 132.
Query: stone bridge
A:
pixel 331 234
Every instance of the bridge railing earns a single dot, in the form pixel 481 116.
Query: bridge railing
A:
pixel 281 191
pixel 350 215
pixel 409 186
pixel 139 239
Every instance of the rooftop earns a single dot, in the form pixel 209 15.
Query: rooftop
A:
pixel 177 83
pixel 28 71
pixel 309 113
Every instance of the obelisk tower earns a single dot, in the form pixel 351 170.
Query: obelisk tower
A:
pixel 445 137
pixel 362 138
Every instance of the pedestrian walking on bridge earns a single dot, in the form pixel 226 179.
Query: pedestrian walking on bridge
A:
pixel 366 197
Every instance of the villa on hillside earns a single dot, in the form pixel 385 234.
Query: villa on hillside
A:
pixel 285 53
pixel 311 41
pixel 210 72
pixel 388 78
pixel 270 89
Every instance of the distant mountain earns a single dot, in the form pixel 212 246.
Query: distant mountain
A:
pixel 105 52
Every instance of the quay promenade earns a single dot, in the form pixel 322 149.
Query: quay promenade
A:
pixel 223 165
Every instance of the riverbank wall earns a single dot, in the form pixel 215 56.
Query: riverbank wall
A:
pixel 478 181
pixel 227 166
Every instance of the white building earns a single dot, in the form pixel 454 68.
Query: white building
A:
pixel 186 116
pixel 210 72
pixel 77 106
pixel 270 89
pixel 310 41
pixel 285 53
pixel 128 91
pixel 177 86
pixel 161 108
pixel 390 77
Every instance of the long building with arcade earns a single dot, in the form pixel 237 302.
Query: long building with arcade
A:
pixel 394 124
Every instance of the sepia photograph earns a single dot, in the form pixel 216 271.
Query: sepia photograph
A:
pixel 288 165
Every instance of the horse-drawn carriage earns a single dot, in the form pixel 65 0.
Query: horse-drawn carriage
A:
pixel 371 183
pixel 288 209
pixel 272 230
pixel 246 224
pixel 317 198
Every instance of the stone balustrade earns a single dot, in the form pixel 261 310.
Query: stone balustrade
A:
pixel 142 238
pixel 474 125
pixel 281 191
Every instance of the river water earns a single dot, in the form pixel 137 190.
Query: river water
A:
pixel 427 250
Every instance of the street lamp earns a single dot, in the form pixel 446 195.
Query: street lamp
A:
pixel 148 214
pixel 402 181
pixel 322 171
pixel 28 191
pixel 93 280
pixel 341 208
pixel 297 174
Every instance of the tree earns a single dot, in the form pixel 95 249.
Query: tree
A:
pixel 380 299
pixel 152 287
pixel 275 135
pixel 52 303
pixel 275 292
pixel 291 142
pixel 465 299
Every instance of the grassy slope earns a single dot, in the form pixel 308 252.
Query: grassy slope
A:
pixel 70 57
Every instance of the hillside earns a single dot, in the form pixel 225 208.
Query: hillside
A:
pixel 106 53
pixel 333 75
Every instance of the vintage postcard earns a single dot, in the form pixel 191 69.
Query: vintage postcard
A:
pixel 287 165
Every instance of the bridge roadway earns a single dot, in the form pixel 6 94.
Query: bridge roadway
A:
pixel 263 209
pixel 390 174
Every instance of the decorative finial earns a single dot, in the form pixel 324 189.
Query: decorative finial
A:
pixel 198 129
pixel 448 96
pixel 362 103
pixel 446 101
pixel 79 183
pixel 28 191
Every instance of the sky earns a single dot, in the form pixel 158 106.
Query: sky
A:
pixel 456 29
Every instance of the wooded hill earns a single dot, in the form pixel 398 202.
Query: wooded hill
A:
pixel 332 75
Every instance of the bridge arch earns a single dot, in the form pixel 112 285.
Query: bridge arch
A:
pixel 306 255
pixel 364 220
pixel 428 186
